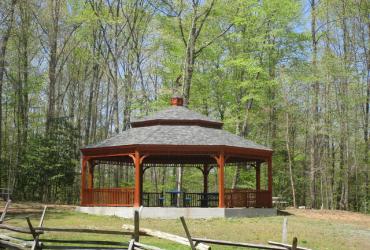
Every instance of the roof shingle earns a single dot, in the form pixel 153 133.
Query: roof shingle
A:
pixel 178 114
pixel 177 135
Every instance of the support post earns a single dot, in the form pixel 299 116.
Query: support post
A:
pixel 269 165
pixel 83 181
pixel 90 181
pixel 205 178
pixel 221 180
pixel 141 183
pixel 138 170
pixel 258 176
pixel 205 197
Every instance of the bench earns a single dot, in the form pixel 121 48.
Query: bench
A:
pixel 279 203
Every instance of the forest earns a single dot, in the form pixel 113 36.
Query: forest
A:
pixel 293 75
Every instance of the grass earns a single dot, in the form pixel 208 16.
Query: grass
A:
pixel 314 229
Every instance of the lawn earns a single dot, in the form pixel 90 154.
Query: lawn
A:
pixel 316 229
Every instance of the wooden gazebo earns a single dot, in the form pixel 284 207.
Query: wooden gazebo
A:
pixel 176 135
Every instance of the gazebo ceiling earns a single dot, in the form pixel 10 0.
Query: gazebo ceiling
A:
pixel 178 131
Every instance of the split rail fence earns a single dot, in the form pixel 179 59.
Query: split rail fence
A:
pixel 133 231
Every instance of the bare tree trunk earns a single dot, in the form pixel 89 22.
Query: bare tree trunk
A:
pixel 189 60
pixel 344 134
pixel 4 43
pixel 128 99
pixel 287 143
pixel 314 109
pixel 25 27
pixel 366 115
pixel 244 133
pixel 93 83
pixel 54 7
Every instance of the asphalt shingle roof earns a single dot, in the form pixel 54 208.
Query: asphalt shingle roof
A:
pixel 190 128
pixel 178 113
pixel 177 135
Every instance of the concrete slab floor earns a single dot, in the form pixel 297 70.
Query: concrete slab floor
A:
pixel 176 212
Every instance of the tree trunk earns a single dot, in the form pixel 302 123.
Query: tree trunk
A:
pixel 344 134
pixel 25 26
pixel 53 60
pixel 4 43
pixel 314 109
pixel 93 83
pixel 189 58
pixel 287 143
pixel 128 99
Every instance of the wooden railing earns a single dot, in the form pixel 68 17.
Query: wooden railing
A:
pixel 200 200
pixel 247 198
pixel 153 199
pixel 108 197
pixel 125 197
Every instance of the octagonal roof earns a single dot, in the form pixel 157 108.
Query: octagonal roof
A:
pixel 177 126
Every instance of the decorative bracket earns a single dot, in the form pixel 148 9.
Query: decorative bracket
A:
pixel 141 159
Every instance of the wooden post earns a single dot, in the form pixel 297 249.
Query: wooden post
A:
pixel 205 178
pixel 2 218
pixel 269 163
pixel 284 236
pixel 187 233
pixel 83 181
pixel 141 184
pixel 295 243
pixel 131 244
pixel 35 235
pixel 136 225
pixel 258 176
pixel 41 223
pixel 90 180
pixel 221 180
pixel 137 193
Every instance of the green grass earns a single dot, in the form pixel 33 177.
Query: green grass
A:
pixel 316 233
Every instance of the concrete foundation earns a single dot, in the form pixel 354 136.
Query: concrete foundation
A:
pixel 176 212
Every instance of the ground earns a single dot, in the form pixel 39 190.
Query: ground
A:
pixel 316 229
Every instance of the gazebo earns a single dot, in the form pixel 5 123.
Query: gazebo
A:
pixel 176 135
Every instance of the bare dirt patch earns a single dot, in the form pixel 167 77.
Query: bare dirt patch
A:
pixel 332 215
pixel 32 207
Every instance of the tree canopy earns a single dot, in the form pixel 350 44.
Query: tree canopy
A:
pixel 290 74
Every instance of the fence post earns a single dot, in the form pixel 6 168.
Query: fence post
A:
pixel 136 226
pixel 295 243
pixel 187 233
pixel 284 237
pixel 2 218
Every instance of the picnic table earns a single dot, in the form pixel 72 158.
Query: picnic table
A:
pixel 279 202
pixel 174 196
